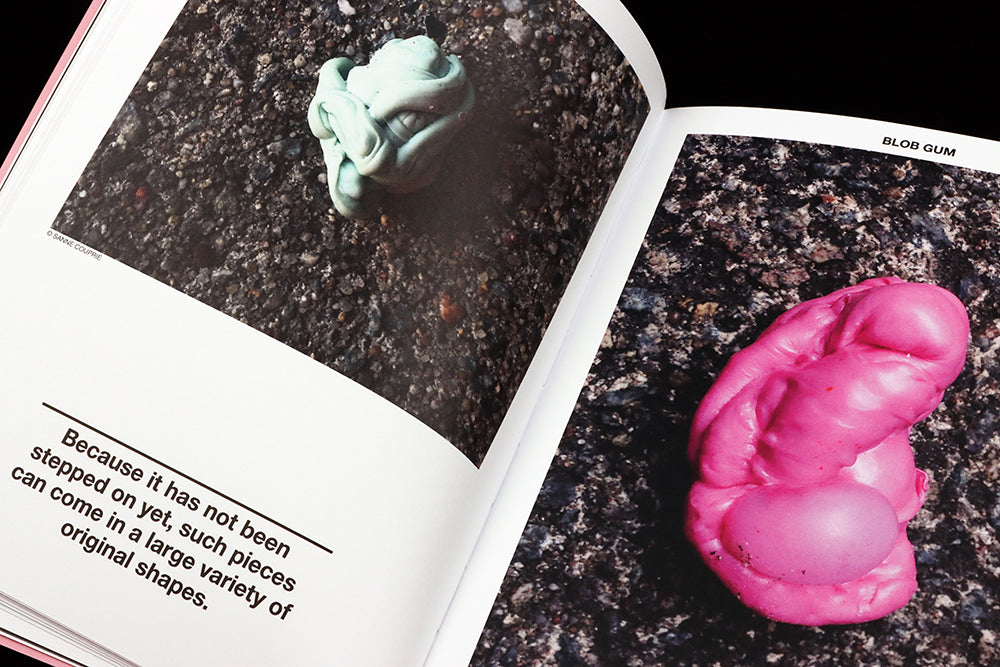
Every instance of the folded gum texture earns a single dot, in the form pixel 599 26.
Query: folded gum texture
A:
pixel 805 479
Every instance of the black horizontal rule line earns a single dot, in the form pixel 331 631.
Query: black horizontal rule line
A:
pixel 187 477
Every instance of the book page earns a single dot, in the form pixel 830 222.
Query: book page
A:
pixel 242 424
pixel 759 210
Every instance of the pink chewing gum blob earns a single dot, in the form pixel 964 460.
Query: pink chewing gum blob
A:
pixel 805 476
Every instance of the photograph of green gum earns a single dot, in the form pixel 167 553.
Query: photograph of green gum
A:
pixel 399 191
pixel 385 126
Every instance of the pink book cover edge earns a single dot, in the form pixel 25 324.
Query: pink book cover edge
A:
pixel 8 163
pixel 50 86
pixel 31 652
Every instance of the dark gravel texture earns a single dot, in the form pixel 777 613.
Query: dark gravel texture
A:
pixel 747 228
pixel 210 181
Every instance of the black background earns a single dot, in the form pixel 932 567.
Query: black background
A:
pixel 934 66
pixel 931 67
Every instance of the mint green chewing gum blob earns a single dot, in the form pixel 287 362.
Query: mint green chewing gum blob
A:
pixel 384 127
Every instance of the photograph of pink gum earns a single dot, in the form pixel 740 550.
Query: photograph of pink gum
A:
pixel 805 479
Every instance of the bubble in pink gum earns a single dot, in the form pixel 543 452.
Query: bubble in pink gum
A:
pixel 805 476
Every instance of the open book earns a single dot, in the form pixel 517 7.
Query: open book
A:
pixel 242 427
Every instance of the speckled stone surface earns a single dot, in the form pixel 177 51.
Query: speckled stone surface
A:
pixel 747 228
pixel 210 181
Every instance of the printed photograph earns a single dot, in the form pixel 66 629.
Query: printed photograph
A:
pixel 747 229
pixel 398 190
